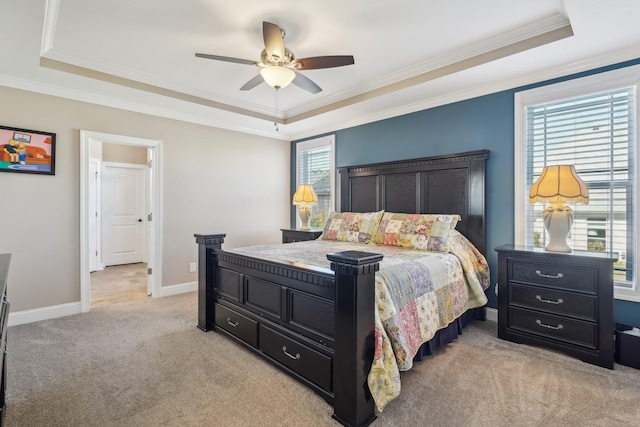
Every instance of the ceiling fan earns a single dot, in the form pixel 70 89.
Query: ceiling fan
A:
pixel 278 65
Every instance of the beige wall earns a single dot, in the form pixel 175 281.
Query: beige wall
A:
pixel 119 153
pixel 210 178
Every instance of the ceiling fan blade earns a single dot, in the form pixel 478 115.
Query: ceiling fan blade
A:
pixel 306 84
pixel 317 62
pixel 226 59
pixel 273 42
pixel 252 83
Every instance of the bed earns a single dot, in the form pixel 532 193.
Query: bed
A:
pixel 318 317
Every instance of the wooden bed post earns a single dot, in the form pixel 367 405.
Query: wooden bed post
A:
pixel 206 306
pixel 354 338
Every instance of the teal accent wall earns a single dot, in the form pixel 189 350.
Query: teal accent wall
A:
pixel 485 122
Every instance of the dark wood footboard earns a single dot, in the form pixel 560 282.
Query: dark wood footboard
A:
pixel 315 324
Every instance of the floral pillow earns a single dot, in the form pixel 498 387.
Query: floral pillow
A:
pixel 351 226
pixel 428 232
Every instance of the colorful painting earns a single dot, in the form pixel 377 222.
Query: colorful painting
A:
pixel 27 151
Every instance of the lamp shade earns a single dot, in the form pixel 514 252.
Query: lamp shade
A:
pixel 559 184
pixel 305 195
pixel 277 77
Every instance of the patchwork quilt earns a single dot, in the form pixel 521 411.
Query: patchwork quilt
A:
pixel 417 293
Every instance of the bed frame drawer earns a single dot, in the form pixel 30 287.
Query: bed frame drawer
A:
pixel 237 325
pixel 309 363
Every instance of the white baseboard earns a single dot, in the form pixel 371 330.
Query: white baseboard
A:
pixel 492 314
pixel 181 288
pixel 44 313
pixel 54 311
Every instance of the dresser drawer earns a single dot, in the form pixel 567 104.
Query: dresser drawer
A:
pixel 556 327
pixel 307 362
pixel 554 275
pixel 237 324
pixel 563 303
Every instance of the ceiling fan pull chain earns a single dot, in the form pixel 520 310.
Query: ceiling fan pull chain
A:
pixel 275 114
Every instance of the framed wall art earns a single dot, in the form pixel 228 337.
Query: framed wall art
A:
pixel 27 151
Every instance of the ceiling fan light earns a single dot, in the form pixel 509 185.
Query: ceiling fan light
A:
pixel 277 77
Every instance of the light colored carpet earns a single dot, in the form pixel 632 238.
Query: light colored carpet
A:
pixel 118 283
pixel 144 363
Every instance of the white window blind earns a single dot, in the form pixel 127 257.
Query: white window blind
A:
pixel 315 166
pixel 596 134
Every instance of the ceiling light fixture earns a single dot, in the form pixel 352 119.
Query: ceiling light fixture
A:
pixel 277 77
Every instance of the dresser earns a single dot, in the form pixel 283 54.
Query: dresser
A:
pixel 290 235
pixel 563 301
pixel 4 316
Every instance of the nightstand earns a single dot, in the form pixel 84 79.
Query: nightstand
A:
pixel 293 235
pixel 562 301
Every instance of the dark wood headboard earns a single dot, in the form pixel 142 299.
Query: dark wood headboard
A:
pixel 449 184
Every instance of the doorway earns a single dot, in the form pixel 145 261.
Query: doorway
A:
pixel 146 224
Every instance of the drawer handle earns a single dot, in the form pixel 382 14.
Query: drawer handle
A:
pixel 548 301
pixel 284 350
pixel 234 324
pixel 548 276
pixel 544 325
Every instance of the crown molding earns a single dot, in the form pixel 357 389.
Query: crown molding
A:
pixel 98 70
pixel 474 92
pixel 49 26
pixel 104 71
pixel 216 120
pixel 211 120
pixel 535 34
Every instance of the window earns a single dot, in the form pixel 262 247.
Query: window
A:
pixel 597 234
pixel 591 124
pixel 315 166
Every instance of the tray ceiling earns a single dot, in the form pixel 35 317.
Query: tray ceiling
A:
pixel 409 55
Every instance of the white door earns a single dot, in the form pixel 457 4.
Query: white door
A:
pixel 94 208
pixel 123 212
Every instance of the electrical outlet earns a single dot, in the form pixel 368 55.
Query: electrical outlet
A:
pixel 192 267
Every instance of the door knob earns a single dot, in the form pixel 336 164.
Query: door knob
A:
pixel 140 220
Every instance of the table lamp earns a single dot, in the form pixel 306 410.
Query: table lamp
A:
pixel 558 184
pixel 304 198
